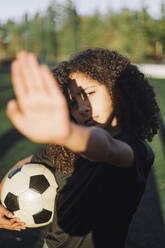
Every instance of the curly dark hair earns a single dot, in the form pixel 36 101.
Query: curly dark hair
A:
pixel 132 96
pixel 135 105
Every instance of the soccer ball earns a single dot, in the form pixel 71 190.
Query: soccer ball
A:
pixel 29 192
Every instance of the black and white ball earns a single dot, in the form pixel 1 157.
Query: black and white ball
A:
pixel 29 192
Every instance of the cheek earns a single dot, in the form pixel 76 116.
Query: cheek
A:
pixel 105 109
pixel 108 107
pixel 105 102
pixel 75 116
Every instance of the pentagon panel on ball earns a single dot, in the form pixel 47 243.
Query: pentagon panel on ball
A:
pixel 29 192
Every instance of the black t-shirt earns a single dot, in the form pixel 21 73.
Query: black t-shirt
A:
pixel 95 203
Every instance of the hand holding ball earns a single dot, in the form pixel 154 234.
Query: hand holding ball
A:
pixel 29 192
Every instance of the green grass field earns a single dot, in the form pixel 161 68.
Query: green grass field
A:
pixel 158 143
pixel 147 229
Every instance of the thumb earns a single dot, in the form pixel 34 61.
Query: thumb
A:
pixel 14 114
pixel 12 108
pixel 4 211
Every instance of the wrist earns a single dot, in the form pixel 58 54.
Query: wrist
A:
pixel 77 139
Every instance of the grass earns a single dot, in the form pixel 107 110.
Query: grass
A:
pixel 147 229
pixel 158 144
pixel 5 125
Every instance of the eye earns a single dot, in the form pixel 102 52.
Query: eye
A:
pixel 90 93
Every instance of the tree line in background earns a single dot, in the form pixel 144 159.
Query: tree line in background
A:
pixel 60 31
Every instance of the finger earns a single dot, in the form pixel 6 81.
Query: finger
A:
pixel 18 224
pixel 30 70
pixel 19 86
pixel 12 109
pixel 4 221
pixel 35 70
pixel 16 220
pixel 50 82
pixel 24 72
pixel 12 223
pixel 12 227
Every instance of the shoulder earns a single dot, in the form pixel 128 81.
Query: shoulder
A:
pixel 144 157
pixel 139 147
pixel 143 153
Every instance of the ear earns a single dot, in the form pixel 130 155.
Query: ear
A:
pixel 114 122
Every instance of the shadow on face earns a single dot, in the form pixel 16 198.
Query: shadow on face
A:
pixel 89 101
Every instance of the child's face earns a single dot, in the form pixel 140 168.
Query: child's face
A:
pixel 90 102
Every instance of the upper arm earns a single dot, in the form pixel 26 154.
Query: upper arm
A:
pixel 119 153
pixel 102 147
pixel 21 162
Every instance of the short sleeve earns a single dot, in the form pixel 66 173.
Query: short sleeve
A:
pixel 143 160
pixel 43 156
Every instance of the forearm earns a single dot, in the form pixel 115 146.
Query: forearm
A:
pixel 96 144
pixel 90 142
pixel 78 138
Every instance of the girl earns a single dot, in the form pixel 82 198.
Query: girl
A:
pixel 95 114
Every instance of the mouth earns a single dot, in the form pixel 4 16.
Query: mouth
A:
pixel 90 122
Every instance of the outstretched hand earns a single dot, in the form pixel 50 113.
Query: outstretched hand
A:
pixel 10 222
pixel 40 110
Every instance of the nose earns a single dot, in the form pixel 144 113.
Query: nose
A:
pixel 83 107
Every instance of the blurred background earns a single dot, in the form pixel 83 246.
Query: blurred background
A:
pixel 56 29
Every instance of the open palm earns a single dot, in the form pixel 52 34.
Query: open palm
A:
pixel 40 110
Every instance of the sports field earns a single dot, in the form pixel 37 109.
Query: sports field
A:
pixel 147 229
